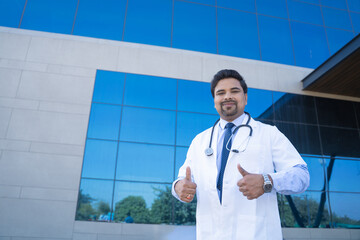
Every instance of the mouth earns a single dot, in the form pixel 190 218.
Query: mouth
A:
pixel 228 104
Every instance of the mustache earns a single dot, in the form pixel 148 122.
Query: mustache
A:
pixel 225 102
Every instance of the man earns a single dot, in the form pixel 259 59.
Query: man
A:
pixel 237 177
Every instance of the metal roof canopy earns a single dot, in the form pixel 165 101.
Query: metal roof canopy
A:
pixel 340 74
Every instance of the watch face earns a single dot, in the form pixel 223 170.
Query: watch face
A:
pixel 267 188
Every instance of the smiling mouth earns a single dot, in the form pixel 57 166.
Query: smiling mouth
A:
pixel 227 104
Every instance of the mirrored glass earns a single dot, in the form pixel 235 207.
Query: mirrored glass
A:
pixel 316 166
pixel 338 38
pixel 304 12
pixel 95 199
pixel 312 1
pixel 343 175
pixel 232 27
pixel 99 159
pixel 184 213
pixel 50 16
pixel 276 46
pixel 354 5
pixel 180 159
pixel 357 112
pixel 10 12
pixel 340 142
pixel 245 5
pixel 355 19
pixel 259 104
pixel 100 18
pixel 336 18
pixel 194 27
pixel 303 210
pixel 195 97
pixel 294 108
pixel 145 162
pixel 144 202
pixel 209 2
pixel 149 27
pixel 310 44
pixel 335 3
pixel 345 210
pixel 148 125
pixel 191 124
pixel 104 121
pixel 334 112
pixel 108 87
pixel 150 91
pixel 276 8
pixel 305 138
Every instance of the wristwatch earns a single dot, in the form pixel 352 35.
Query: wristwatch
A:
pixel 267 184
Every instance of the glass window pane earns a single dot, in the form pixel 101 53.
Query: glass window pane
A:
pixel 345 173
pixel 209 2
pixel 191 124
pixel 180 159
pixel 245 5
pixel 345 210
pixel 194 27
pixel 50 16
pixel 334 112
pixel 338 38
pixel 311 1
pixel 237 34
pixel 195 97
pixel 99 159
pixel 104 121
pixel 316 171
pixel 260 104
pixel 10 12
pixel 149 27
pixel 357 112
pixel 340 142
pixel 149 91
pixel 145 162
pixel 109 87
pixel 310 44
pixel 305 138
pixel 276 8
pixel 144 202
pixel 336 18
pixel 275 49
pixel 354 5
pixel 100 18
pixel 355 18
pixel 295 108
pixel 304 12
pixel 148 125
pixel 94 203
pixel 304 212
pixel 335 3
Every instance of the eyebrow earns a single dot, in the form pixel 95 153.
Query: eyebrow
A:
pixel 234 88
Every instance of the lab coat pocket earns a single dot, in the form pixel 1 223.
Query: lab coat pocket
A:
pixel 250 227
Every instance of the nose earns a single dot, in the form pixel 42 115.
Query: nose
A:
pixel 228 95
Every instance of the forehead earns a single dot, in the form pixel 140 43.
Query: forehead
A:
pixel 228 83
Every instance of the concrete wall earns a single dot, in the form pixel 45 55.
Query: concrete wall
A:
pixel 46 84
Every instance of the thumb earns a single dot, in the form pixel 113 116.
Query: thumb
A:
pixel 188 174
pixel 242 171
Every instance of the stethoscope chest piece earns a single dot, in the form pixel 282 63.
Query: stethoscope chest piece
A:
pixel 209 152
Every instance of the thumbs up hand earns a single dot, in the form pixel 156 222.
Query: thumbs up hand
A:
pixel 251 185
pixel 185 188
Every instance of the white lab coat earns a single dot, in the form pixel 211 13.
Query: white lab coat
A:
pixel 238 218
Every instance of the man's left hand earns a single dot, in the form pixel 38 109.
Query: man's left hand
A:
pixel 251 185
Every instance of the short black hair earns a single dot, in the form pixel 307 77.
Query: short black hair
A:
pixel 227 73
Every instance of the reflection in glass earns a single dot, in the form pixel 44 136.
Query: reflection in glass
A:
pixel 99 159
pixel 94 202
pixel 148 125
pixel 316 171
pixel 308 209
pixel 259 104
pixel 108 87
pixel 345 209
pixel 180 159
pixel 191 124
pixel 104 121
pixel 145 162
pixel 10 12
pixel 149 91
pixel 345 175
pixel 195 97
pixel 144 202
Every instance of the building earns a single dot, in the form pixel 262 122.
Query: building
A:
pixel 76 75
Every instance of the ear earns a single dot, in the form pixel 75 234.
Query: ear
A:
pixel 245 98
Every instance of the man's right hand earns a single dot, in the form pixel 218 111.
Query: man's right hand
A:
pixel 185 188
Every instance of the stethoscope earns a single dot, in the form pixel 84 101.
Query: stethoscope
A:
pixel 209 151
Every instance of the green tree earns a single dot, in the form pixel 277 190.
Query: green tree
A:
pixel 133 205
pixel 84 209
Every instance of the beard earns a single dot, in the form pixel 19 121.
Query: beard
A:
pixel 229 111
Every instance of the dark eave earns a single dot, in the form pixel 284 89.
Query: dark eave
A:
pixel 340 74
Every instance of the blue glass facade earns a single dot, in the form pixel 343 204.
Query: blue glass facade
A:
pixel 136 145
pixel 294 32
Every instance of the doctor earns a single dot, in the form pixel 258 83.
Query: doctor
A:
pixel 236 167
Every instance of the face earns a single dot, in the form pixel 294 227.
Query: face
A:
pixel 229 99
